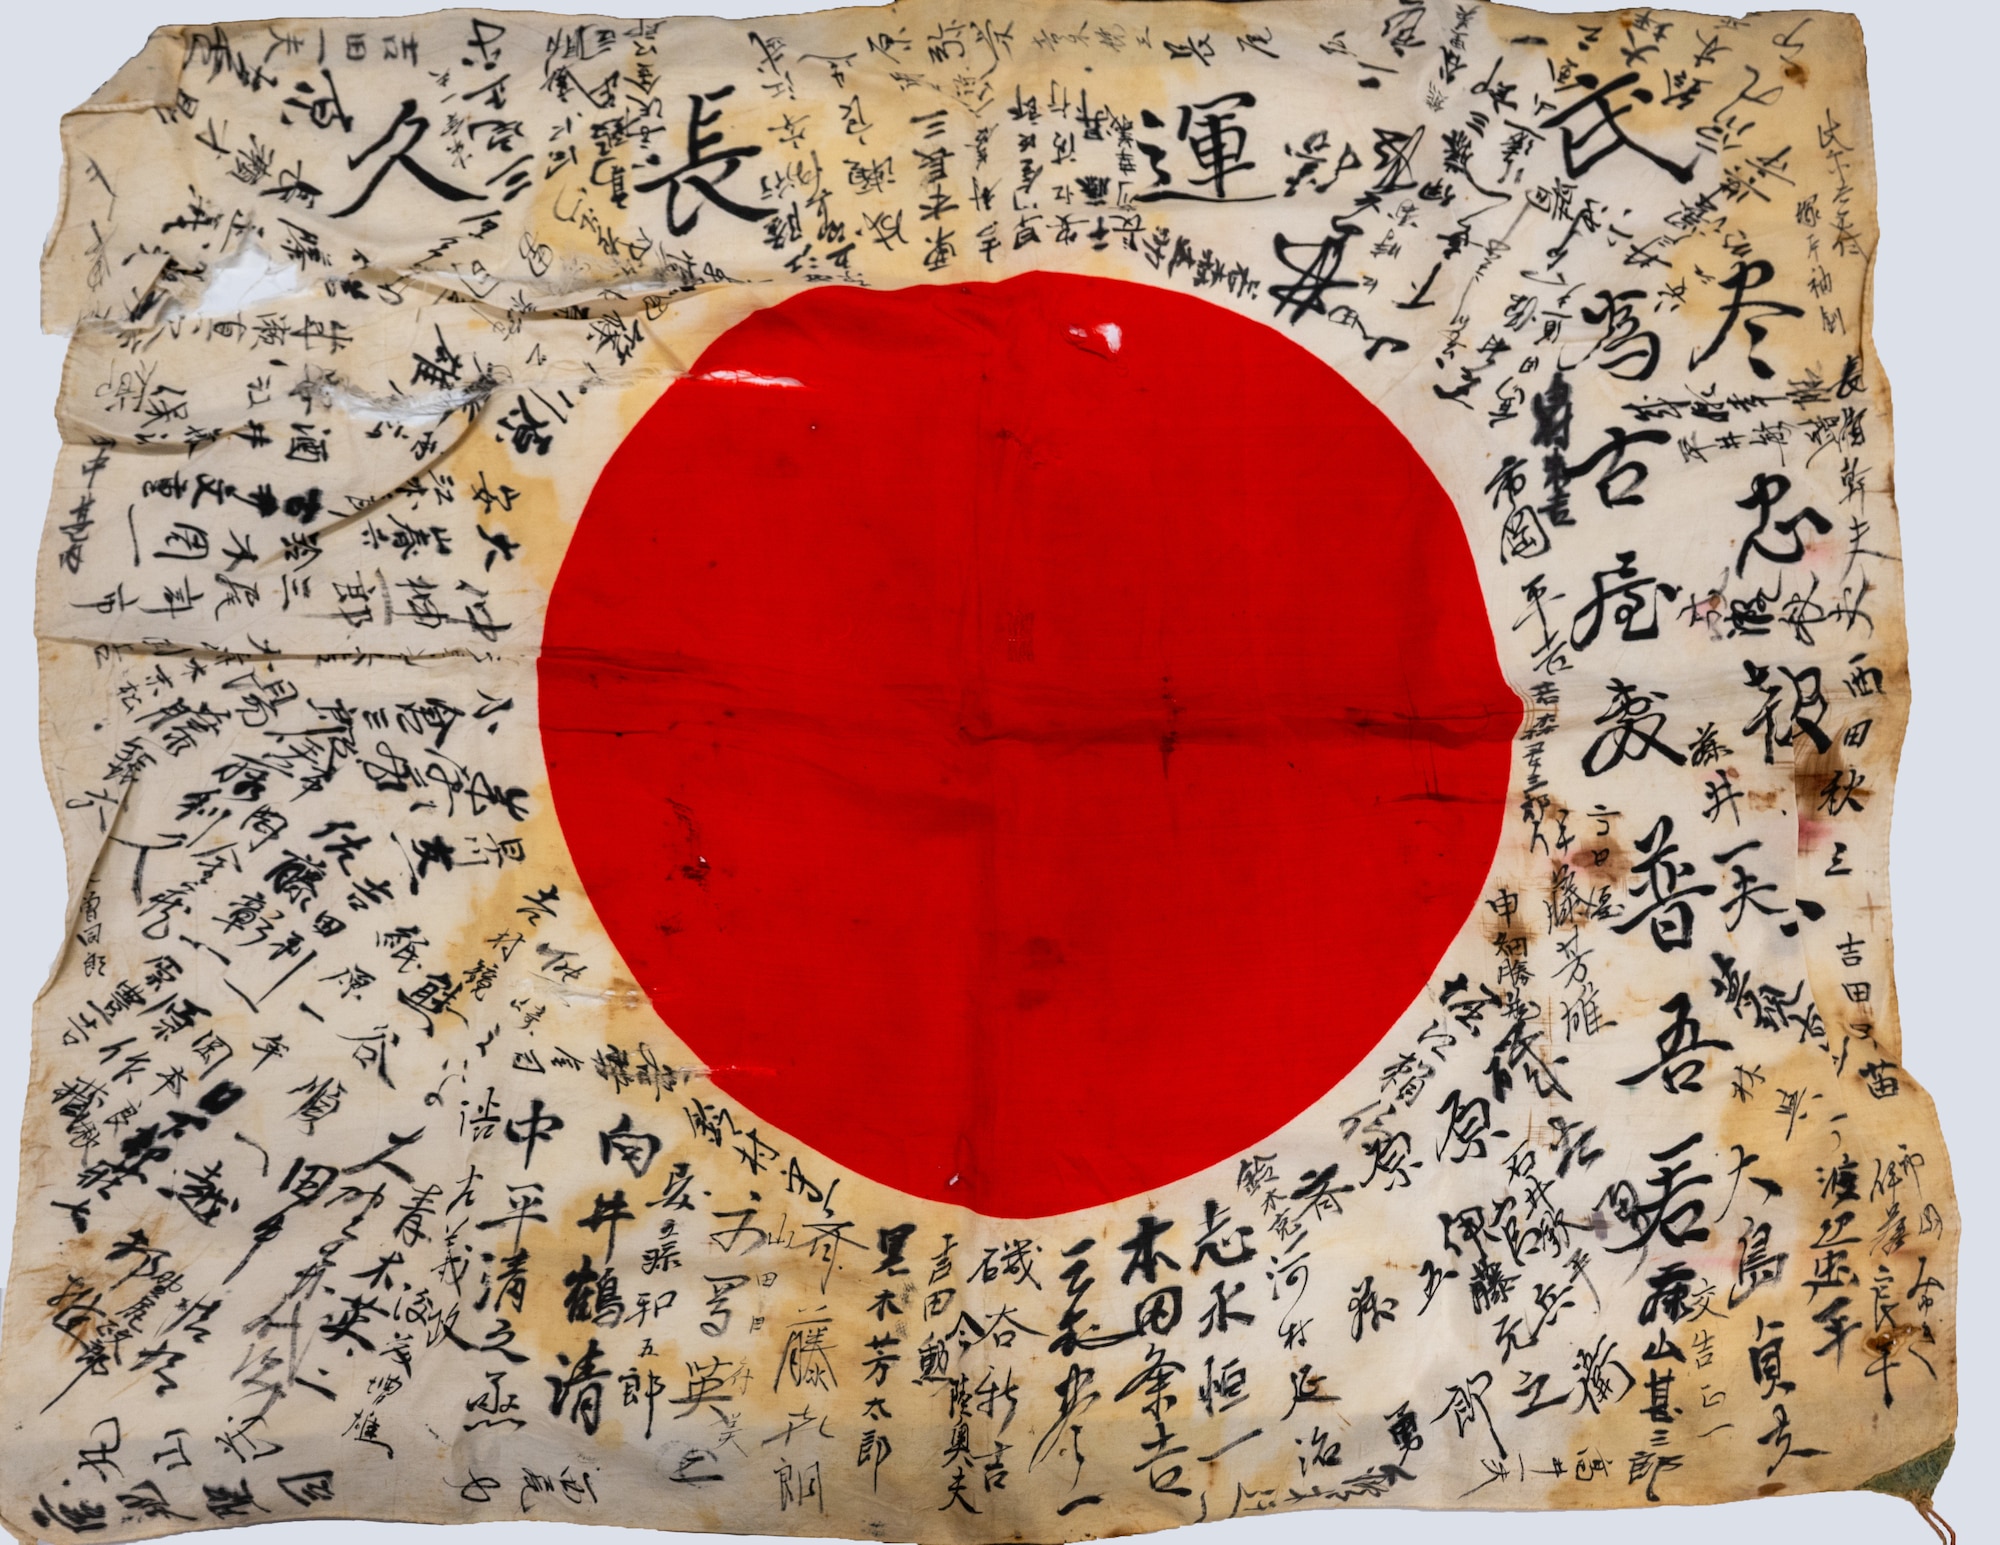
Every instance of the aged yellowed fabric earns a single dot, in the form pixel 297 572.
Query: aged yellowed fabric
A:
pixel 1609 275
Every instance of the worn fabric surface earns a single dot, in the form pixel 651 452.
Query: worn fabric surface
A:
pixel 972 776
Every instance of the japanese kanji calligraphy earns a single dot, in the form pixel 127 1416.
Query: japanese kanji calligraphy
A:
pixel 971 775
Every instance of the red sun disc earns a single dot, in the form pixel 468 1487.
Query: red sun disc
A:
pixel 1030 739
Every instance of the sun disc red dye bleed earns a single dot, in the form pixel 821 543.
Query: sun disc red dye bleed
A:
pixel 1030 739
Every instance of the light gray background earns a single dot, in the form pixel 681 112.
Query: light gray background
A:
pixel 1935 95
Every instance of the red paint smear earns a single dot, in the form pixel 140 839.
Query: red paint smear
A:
pixel 1040 752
